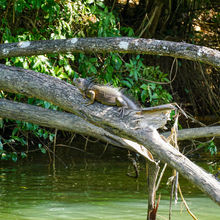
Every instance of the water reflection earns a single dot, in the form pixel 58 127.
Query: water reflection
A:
pixel 92 190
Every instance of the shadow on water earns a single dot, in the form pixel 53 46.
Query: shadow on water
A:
pixel 88 190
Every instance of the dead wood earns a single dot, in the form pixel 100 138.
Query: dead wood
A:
pixel 194 133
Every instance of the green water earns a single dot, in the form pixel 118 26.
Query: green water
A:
pixel 87 190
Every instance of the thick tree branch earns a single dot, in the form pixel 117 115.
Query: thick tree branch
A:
pixel 50 118
pixel 64 121
pixel 116 44
pixel 67 97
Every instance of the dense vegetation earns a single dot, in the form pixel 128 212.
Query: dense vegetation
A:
pixel 23 20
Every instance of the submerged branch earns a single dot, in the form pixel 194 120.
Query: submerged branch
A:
pixel 185 203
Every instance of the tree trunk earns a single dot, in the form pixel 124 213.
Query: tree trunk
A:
pixel 67 97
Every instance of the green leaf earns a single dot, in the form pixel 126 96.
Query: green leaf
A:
pixel 51 137
pixel 152 86
pixel 144 95
pixel 144 86
pixel 150 93
pixel 154 96
pixel 93 60
pixel 1 146
pixel 29 126
pixel 14 156
pixel 212 148
pixel 25 64
pixel 43 150
pixel 126 83
pixel 90 1
pixel 3 4
pixel 47 104
pixel 4 156
pixel 45 135
pixel 1 123
pixel 14 132
pixel 31 100
pixel 135 73
pixel 37 63
pixel 23 155
pixel 109 69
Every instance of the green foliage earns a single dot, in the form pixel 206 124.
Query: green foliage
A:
pixel 6 155
pixel 142 80
pixel 107 24
pixel 20 137
pixel 209 147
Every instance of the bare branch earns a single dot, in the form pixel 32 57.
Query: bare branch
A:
pixel 113 44
pixel 194 133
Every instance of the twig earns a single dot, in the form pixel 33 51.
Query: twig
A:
pixel 176 187
pixel 7 143
pixel 71 139
pixel 203 144
pixel 90 140
pixel 54 150
pixel 85 147
pixel 104 150
pixel 171 70
pixel 171 198
pixel 161 175
pixel 50 151
pixel 165 83
pixel 113 5
pixel 184 202
pixel 64 145
pixel 149 22
pixel 195 120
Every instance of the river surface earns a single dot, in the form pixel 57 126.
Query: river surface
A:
pixel 89 190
